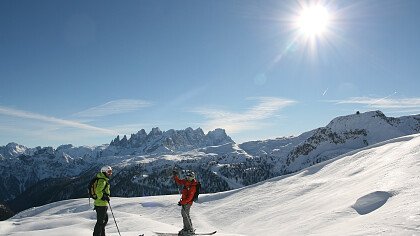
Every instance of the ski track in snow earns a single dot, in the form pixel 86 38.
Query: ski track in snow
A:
pixel 370 191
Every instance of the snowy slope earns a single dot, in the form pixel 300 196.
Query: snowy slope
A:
pixel 142 162
pixel 340 136
pixel 371 191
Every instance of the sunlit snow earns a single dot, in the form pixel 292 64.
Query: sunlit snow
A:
pixel 372 191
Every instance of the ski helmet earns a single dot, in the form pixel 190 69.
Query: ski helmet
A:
pixel 107 170
pixel 190 175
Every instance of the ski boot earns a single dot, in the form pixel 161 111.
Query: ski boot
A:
pixel 186 232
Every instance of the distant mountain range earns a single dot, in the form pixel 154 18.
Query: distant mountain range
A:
pixel 143 163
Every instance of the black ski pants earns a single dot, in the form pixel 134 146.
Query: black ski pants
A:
pixel 101 220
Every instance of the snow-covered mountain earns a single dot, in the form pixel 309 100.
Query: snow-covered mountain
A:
pixel 143 162
pixel 22 167
pixel 341 135
pixel 369 191
pixel 13 150
pixel 171 141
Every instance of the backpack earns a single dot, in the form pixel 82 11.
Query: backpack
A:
pixel 197 191
pixel 92 187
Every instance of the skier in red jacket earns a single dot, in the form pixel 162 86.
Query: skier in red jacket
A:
pixel 189 188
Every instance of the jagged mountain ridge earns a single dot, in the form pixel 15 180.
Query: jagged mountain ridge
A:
pixel 170 141
pixel 22 167
pixel 141 169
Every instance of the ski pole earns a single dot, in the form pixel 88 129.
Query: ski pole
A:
pixel 114 218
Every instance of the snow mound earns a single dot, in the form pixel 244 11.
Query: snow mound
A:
pixel 371 202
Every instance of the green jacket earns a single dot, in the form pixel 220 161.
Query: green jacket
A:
pixel 100 189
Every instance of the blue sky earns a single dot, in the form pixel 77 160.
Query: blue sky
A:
pixel 81 72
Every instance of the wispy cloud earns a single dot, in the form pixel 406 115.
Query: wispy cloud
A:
pixel 248 120
pixel 383 103
pixel 52 120
pixel 114 107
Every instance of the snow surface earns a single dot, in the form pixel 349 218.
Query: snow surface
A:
pixel 371 191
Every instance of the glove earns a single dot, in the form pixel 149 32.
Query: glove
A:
pixel 105 198
pixel 174 172
pixel 179 203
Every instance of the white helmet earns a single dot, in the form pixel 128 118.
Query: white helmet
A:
pixel 107 170
pixel 190 175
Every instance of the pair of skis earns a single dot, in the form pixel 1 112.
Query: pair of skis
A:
pixel 176 234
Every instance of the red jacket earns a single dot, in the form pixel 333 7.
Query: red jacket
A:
pixel 188 191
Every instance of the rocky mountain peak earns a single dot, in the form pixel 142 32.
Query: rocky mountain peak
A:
pixel 140 133
pixel 13 150
pixel 155 131
pixel 171 140
pixel 63 147
pixel 218 137
pixel 366 120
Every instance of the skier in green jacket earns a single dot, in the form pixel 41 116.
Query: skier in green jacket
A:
pixel 101 202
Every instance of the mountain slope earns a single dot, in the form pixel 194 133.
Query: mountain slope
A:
pixel 143 162
pixel 325 199
pixel 373 191
pixel 341 135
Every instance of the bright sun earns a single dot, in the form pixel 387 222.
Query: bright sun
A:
pixel 313 21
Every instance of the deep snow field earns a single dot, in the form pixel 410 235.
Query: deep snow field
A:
pixel 371 191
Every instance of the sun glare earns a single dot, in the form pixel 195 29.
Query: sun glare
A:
pixel 313 21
